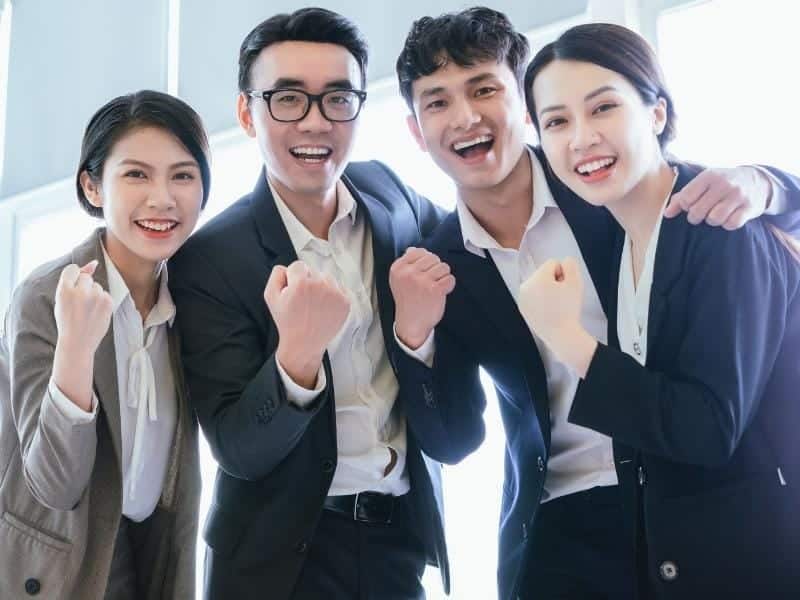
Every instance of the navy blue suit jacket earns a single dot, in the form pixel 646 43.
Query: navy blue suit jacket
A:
pixel 482 327
pixel 276 461
pixel 711 423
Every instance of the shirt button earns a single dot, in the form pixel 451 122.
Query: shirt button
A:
pixel 32 586
pixel 301 547
pixel 524 531
pixel 668 570
pixel 642 476
pixel 637 348
pixel 327 466
pixel 540 464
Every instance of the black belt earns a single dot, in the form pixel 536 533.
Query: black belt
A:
pixel 366 507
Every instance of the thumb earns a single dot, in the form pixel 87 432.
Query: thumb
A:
pixel 90 267
pixel 276 283
pixel 570 270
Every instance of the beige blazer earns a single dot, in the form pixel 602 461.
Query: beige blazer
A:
pixel 61 491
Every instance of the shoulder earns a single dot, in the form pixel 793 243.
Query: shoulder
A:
pixel 445 236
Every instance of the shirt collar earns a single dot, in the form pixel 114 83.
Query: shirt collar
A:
pixel 164 309
pixel 477 240
pixel 299 234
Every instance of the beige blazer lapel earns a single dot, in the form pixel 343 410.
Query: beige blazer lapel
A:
pixel 105 358
pixel 170 480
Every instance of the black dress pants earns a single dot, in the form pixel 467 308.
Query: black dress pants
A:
pixel 352 560
pixel 581 549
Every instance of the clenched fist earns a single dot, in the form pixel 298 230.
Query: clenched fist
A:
pixel 550 300
pixel 83 308
pixel 309 309
pixel 83 313
pixel 420 282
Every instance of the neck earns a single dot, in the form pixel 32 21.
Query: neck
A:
pixel 504 210
pixel 140 275
pixel 316 211
pixel 639 210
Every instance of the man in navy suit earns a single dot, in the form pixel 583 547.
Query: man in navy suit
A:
pixel 286 322
pixel 565 530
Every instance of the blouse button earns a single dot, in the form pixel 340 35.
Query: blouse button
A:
pixel 637 348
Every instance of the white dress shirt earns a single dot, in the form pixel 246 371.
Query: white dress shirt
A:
pixel 147 396
pixel 368 423
pixel 580 458
pixel 633 305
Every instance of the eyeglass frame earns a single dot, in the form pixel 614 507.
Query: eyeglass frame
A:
pixel 265 95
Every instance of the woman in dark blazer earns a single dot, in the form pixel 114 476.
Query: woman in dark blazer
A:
pixel 698 384
pixel 99 473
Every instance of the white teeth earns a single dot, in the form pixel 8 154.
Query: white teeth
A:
pixel 158 225
pixel 481 139
pixel 312 150
pixel 587 168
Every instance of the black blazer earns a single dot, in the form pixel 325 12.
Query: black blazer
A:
pixel 710 423
pixel 482 327
pixel 276 461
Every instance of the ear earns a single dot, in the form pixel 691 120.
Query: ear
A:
pixel 659 116
pixel 91 189
pixel 528 120
pixel 244 114
pixel 416 132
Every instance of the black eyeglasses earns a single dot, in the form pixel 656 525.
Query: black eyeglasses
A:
pixel 288 105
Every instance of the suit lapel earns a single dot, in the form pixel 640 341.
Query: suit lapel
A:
pixel 105 358
pixel 480 278
pixel 668 267
pixel 271 229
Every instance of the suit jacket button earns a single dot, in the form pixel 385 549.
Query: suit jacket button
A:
pixel 32 586
pixel 540 464
pixel 301 547
pixel 327 466
pixel 668 570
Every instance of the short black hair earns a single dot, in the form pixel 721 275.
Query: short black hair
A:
pixel 473 35
pixel 305 25
pixel 145 108
pixel 612 47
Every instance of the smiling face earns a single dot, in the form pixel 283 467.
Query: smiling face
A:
pixel 305 157
pixel 599 136
pixel 472 122
pixel 151 193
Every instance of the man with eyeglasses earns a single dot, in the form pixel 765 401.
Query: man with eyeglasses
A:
pixel 286 323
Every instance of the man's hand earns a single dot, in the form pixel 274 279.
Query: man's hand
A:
pixel 726 197
pixel 420 282
pixel 309 310
pixel 550 300
pixel 83 313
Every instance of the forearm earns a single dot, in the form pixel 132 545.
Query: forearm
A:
pixel 253 431
pixel 444 403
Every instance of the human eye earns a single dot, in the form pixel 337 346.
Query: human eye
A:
pixel 134 174
pixel 435 105
pixel 341 98
pixel 604 107
pixel 485 91
pixel 184 176
pixel 287 98
pixel 554 122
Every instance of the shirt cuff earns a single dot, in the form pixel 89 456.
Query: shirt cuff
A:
pixel 777 200
pixel 297 394
pixel 68 409
pixel 424 353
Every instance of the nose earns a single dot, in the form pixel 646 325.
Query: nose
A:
pixel 161 197
pixel 584 135
pixel 464 115
pixel 314 121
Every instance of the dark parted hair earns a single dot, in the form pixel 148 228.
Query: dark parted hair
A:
pixel 305 25
pixel 123 114
pixel 466 38
pixel 615 48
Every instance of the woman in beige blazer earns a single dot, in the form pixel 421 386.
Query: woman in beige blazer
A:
pixel 99 474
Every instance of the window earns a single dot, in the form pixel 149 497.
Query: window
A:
pixel 735 92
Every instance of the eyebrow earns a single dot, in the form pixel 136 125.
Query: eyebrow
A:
pixel 288 82
pixel 481 77
pixel 177 165
pixel 586 98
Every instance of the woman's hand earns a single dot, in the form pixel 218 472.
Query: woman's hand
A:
pixel 83 314
pixel 550 300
